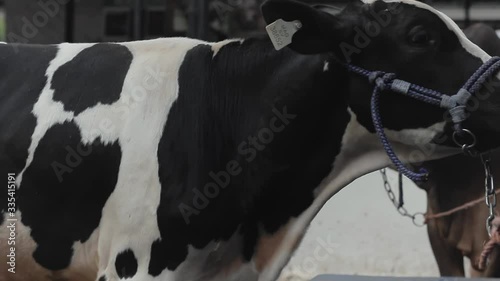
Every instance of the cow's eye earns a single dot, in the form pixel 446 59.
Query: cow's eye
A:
pixel 419 36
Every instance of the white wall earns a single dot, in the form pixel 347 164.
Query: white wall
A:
pixel 365 235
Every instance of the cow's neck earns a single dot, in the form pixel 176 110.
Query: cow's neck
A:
pixel 361 153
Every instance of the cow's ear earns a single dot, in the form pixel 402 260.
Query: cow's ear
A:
pixel 320 32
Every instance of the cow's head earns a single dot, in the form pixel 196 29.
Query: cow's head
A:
pixel 406 37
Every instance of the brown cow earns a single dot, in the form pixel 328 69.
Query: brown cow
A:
pixel 455 181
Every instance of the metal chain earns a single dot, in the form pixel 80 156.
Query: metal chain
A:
pixel 417 218
pixel 490 194
pixel 489 185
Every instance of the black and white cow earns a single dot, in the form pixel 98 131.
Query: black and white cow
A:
pixel 181 160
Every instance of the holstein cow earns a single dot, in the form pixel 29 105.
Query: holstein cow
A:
pixel 455 181
pixel 180 160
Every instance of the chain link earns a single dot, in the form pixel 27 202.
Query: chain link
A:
pixel 417 218
pixel 490 194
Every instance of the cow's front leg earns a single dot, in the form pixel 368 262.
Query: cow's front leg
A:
pixel 449 258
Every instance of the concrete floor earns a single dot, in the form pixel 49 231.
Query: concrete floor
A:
pixel 366 235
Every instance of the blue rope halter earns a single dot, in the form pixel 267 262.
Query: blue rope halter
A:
pixel 456 104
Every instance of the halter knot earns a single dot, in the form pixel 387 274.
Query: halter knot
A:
pixel 382 80
pixel 456 105
pixel 373 76
pixel 459 99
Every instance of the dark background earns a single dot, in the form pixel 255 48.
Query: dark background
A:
pixel 30 21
